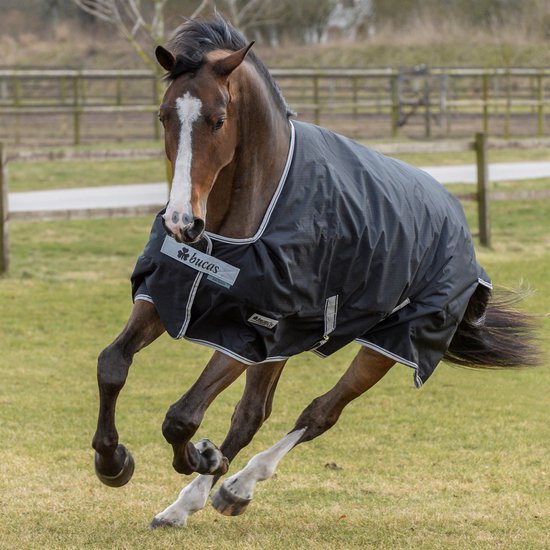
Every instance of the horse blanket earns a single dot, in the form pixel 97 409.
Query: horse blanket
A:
pixel 353 246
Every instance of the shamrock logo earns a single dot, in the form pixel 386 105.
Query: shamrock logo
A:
pixel 183 254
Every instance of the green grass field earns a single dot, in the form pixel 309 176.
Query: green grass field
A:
pixel 34 176
pixel 461 464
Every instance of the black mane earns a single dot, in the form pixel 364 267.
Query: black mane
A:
pixel 195 38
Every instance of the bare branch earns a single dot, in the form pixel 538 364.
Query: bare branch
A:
pixel 202 6
pixel 251 13
pixel 233 11
pixel 156 29
pixel 128 22
pixel 101 10
pixel 132 10
pixel 251 5
pixel 134 14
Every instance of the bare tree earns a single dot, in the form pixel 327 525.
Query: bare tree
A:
pixel 128 16
pixel 250 13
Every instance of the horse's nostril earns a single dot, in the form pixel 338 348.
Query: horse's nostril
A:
pixel 193 231
pixel 174 233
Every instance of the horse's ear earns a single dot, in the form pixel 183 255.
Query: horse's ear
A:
pixel 165 58
pixel 225 66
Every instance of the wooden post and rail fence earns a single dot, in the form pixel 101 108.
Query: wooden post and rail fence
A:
pixel 480 146
pixel 88 105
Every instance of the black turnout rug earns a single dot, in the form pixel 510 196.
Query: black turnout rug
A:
pixel 354 246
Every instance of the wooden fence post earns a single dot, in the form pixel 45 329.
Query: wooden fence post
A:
pixel 485 103
pixel 76 111
pixel 17 103
pixel 4 233
pixel 540 105
pixel 507 113
pixel 394 92
pixel 427 107
pixel 355 110
pixel 317 106
pixel 483 189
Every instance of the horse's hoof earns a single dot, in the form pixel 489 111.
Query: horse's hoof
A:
pixel 116 471
pixel 157 523
pixel 228 504
pixel 212 459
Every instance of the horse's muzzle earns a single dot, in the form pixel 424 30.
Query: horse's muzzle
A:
pixel 189 233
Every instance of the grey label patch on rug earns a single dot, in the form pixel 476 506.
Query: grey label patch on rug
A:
pixel 263 321
pixel 199 261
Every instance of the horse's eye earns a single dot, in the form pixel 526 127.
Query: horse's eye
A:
pixel 219 123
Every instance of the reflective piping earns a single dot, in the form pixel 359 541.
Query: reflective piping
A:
pixel 405 302
pixel 487 284
pixel 406 362
pixel 143 298
pixel 232 354
pixel 272 204
pixel 192 295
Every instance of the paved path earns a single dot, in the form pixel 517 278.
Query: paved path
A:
pixel 498 171
pixel 117 196
pixel 155 194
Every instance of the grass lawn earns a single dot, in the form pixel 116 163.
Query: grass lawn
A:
pixel 39 176
pixel 459 464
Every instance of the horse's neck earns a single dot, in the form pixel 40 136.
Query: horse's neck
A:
pixel 244 188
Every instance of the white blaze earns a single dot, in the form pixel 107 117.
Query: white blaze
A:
pixel 189 109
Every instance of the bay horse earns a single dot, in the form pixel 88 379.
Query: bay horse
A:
pixel 281 237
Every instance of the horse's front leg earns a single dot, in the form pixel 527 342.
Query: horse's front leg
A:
pixel 185 416
pixel 114 465
pixel 250 413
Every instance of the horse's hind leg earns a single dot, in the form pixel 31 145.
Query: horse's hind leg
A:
pixel 113 463
pixel 250 413
pixel 365 371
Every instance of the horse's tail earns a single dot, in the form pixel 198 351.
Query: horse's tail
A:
pixel 493 334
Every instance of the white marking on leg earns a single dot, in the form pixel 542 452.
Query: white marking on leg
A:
pixel 192 498
pixel 261 467
pixel 188 109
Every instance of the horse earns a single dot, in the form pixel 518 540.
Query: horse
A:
pixel 281 237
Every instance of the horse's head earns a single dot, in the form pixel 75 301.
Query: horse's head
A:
pixel 200 133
